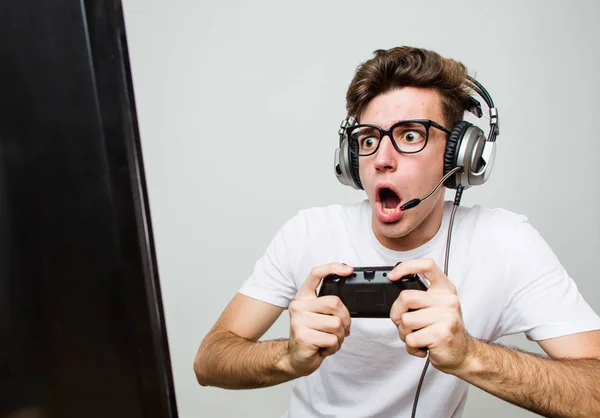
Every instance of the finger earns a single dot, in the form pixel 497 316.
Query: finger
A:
pixel 418 352
pixel 414 321
pixel 309 287
pixel 329 305
pixel 405 335
pixel 326 343
pixel 428 269
pixel 324 323
pixel 319 322
pixel 410 300
pixel 423 338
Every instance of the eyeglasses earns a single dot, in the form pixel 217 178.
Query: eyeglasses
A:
pixel 409 136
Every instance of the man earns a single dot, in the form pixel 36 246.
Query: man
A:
pixel 502 279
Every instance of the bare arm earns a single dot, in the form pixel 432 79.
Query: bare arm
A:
pixel 565 385
pixel 230 356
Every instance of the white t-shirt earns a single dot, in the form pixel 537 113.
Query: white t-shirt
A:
pixel 507 278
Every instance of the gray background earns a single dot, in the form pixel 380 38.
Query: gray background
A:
pixel 239 105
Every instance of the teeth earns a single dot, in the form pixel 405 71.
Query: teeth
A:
pixel 386 210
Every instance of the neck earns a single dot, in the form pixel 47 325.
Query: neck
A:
pixel 420 235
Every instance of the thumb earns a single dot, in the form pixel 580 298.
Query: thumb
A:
pixel 309 287
pixel 439 283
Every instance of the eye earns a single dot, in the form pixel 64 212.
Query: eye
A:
pixel 367 143
pixel 366 138
pixel 412 137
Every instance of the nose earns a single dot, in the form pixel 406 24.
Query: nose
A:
pixel 386 155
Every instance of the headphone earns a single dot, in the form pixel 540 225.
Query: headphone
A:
pixel 466 147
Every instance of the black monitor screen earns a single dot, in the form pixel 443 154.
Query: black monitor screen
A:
pixel 82 332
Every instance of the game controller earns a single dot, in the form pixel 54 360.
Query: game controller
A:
pixel 367 292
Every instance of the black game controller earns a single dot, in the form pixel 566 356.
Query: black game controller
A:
pixel 367 292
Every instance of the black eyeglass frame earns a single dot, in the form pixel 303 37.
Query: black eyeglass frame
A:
pixel 427 123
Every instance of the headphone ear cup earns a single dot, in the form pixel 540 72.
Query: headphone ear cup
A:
pixel 476 161
pixel 354 164
pixel 453 143
pixel 345 167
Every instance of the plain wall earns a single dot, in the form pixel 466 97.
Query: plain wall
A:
pixel 239 104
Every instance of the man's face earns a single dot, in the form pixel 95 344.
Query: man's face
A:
pixel 388 173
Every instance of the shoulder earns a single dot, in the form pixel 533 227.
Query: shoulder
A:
pixel 490 220
pixel 319 221
pixel 334 213
pixel 492 228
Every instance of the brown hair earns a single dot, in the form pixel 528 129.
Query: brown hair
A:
pixel 408 66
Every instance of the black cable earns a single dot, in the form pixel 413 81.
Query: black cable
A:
pixel 414 411
pixel 457 198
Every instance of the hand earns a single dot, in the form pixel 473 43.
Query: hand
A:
pixel 318 326
pixel 436 323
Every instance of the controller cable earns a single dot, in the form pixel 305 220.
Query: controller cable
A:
pixel 457 197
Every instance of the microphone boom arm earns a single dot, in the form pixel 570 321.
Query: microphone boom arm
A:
pixel 414 202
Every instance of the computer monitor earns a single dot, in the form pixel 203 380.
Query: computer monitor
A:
pixel 82 330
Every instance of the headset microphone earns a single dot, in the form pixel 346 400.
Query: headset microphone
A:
pixel 414 202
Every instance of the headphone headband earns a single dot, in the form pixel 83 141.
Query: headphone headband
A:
pixel 483 93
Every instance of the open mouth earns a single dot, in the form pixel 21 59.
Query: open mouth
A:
pixel 388 204
pixel 389 199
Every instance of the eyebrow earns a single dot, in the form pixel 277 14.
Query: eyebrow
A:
pixel 367 129
pixel 411 124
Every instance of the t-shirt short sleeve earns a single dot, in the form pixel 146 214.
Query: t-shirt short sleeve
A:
pixel 272 279
pixel 545 301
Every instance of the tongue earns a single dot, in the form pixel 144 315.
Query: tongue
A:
pixel 389 199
